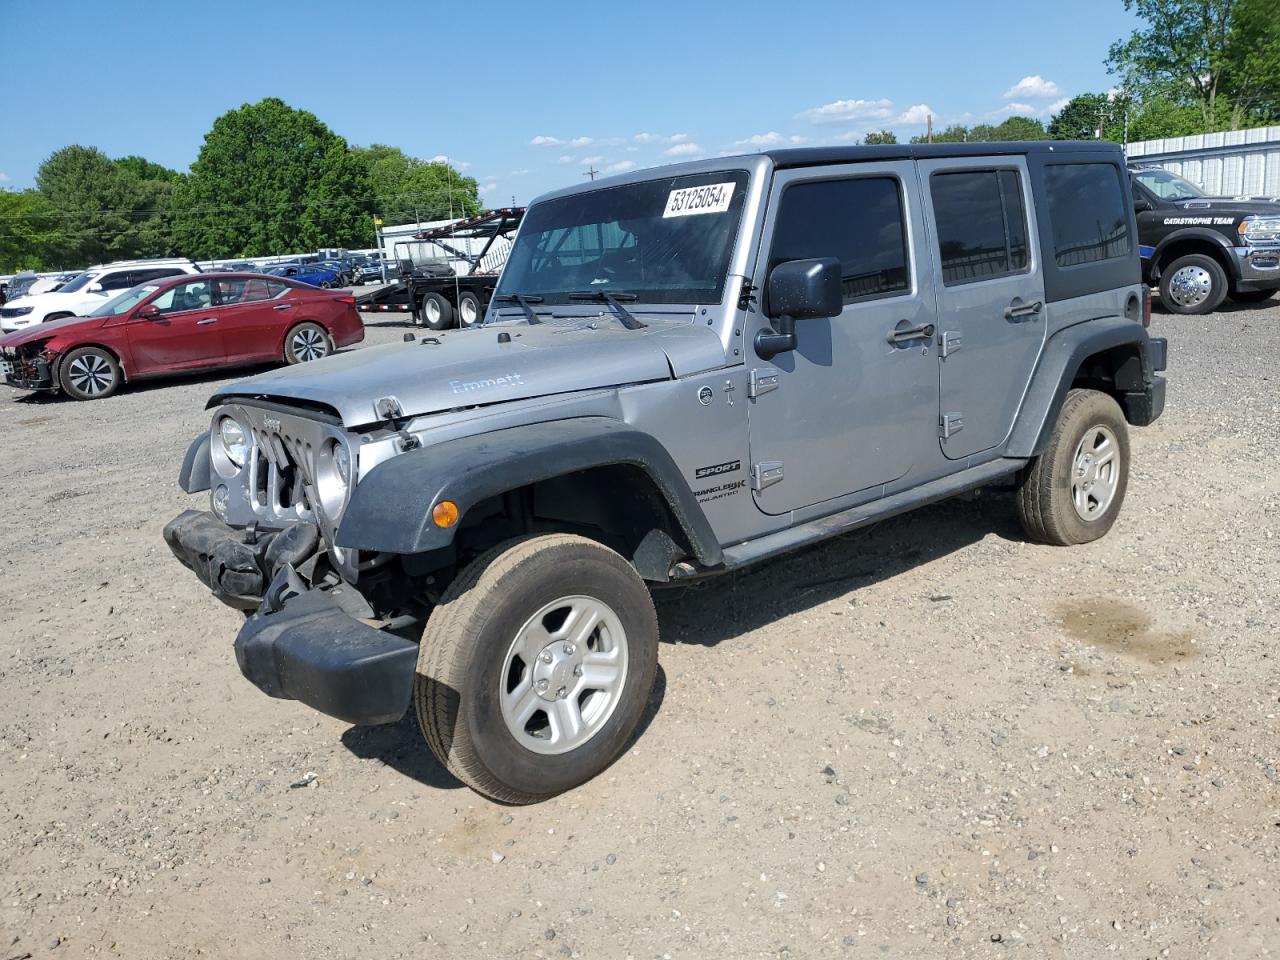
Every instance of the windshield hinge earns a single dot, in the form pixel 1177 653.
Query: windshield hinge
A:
pixel 746 294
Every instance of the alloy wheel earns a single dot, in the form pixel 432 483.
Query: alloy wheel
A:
pixel 91 374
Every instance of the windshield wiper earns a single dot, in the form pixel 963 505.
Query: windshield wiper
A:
pixel 614 300
pixel 524 300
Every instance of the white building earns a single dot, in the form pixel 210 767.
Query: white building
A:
pixel 1234 163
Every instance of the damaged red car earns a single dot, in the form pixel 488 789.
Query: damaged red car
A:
pixel 180 325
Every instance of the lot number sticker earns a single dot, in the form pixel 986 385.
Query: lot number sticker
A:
pixel 713 198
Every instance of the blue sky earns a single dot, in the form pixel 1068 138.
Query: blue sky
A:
pixel 526 96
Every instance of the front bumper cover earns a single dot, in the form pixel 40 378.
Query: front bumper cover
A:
pixel 27 373
pixel 303 643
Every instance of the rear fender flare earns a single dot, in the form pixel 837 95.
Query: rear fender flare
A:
pixel 390 509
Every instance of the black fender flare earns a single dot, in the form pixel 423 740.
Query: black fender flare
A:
pixel 390 509
pixel 1060 360
pixel 1199 233
pixel 194 475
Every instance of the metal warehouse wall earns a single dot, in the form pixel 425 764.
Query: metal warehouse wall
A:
pixel 1234 163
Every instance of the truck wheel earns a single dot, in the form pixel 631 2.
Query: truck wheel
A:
pixel 1073 491
pixel 89 373
pixel 1252 296
pixel 307 341
pixel 1193 284
pixel 535 667
pixel 468 310
pixel 435 312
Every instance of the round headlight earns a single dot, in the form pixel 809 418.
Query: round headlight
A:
pixel 235 441
pixel 342 461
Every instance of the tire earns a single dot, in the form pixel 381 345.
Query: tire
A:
pixel 306 342
pixel 1052 488
pixel 470 662
pixel 89 373
pixel 435 312
pixel 469 312
pixel 1193 284
pixel 1252 296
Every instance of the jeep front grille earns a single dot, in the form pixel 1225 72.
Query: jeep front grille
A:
pixel 281 472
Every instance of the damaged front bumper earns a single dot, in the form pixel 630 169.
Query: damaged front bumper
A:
pixel 304 643
pixel 27 373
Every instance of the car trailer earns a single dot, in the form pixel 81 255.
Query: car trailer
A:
pixel 450 300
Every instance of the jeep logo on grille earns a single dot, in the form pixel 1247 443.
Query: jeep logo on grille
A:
pixel 271 423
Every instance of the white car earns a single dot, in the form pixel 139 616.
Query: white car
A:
pixel 51 283
pixel 87 291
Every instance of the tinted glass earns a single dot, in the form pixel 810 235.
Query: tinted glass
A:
pixel 1088 213
pixel 858 221
pixel 982 230
pixel 142 276
pixel 71 286
pixel 192 295
pixel 666 241
pixel 119 280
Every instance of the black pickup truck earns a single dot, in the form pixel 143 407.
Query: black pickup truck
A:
pixel 1199 250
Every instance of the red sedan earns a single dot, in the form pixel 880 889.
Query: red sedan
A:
pixel 179 325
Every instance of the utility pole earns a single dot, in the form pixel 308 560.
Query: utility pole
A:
pixel 591 172
pixel 929 131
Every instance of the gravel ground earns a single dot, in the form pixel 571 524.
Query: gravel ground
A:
pixel 927 739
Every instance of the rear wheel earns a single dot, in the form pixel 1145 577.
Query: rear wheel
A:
pixel 435 312
pixel 1073 491
pixel 1193 284
pixel 89 373
pixel 468 309
pixel 1252 296
pixel 305 342
pixel 535 668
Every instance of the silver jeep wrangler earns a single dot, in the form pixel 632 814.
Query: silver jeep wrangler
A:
pixel 682 371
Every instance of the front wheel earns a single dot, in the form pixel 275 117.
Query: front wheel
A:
pixel 90 373
pixel 535 667
pixel 1193 284
pixel 1073 491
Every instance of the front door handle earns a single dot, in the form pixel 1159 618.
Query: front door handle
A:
pixel 907 334
pixel 1017 309
pixel 206 321
pixel 282 306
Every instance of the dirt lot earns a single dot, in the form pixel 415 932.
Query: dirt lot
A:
pixel 929 739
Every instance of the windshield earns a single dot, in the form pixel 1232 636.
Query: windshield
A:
pixel 664 241
pixel 80 280
pixel 125 302
pixel 1168 186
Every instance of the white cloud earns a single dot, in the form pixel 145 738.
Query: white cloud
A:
pixel 1057 105
pixel 797 140
pixel 683 150
pixel 519 173
pixel 916 113
pixel 646 138
pixel 588 161
pixel 4 178
pixel 1018 109
pixel 1034 88
pixel 543 141
pixel 565 158
pixel 581 142
pixel 844 111
pixel 622 166
pixel 445 158
pixel 489 187
pixel 678 138
pixel 760 140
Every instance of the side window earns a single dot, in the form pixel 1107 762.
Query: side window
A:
pixel 275 288
pixel 142 276
pixel 192 295
pixel 1088 213
pixel 860 221
pixel 119 280
pixel 228 290
pixel 982 224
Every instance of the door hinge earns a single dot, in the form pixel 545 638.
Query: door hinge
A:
pixel 765 474
pixel 949 424
pixel 951 341
pixel 762 381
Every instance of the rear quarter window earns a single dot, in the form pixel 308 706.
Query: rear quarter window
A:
pixel 1087 212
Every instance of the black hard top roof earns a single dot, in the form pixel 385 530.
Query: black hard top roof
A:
pixel 819 156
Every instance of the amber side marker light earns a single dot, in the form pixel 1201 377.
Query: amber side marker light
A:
pixel 445 513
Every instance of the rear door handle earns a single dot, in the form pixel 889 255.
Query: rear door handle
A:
pixel 1017 310
pixel 907 334
pixel 206 321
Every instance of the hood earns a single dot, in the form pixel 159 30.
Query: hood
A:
pixel 1231 206
pixel 43 331
pixel 466 368
pixel 57 300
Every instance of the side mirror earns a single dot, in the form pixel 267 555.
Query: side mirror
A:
pixel 94 288
pixel 1141 206
pixel 799 290
pixel 149 312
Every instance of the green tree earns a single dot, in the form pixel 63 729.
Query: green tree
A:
pixel 407 190
pixel 1253 61
pixel 1019 128
pixel 1079 118
pixel 95 201
pixel 272 179
pixel 30 235
pixel 880 136
pixel 1159 117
